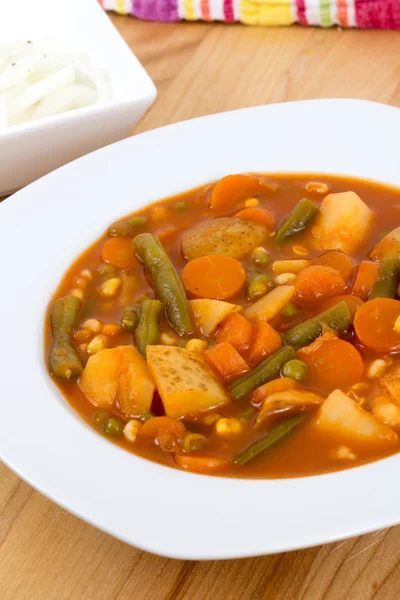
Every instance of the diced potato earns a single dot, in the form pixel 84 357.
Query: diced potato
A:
pixel 288 401
pixel 389 246
pixel 342 223
pixel 227 235
pixel 118 375
pixel 267 307
pixel 345 420
pixel 185 382
pixel 210 313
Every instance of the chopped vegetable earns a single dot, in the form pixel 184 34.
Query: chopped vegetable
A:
pixel 236 330
pixel 201 464
pixel 192 442
pixel 261 257
pixel 118 376
pixel 226 361
pixel 287 401
pixel 129 319
pixel 385 285
pixel 374 324
pixel 342 418
pixel 276 385
pixel 216 277
pixel 269 306
pixel 64 360
pixel 118 253
pixel 162 431
pixel 208 314
pixel 386 410
pixel 295 369
pixel 271 438
pixel 388 247
pixel 228 235
pixel 147 331
pixel 259 215
pixel 113 427
pixel 365 279
pixel 258 285
pixel 353 302
pixel 185 382
pixel 317 283
pixel 269 369
pixel 265 342
pixel 298 219
pixel 337 260
pixel 166 282
pixel 338 317
pixel 232 189
pixel 293 265
pixel 343 223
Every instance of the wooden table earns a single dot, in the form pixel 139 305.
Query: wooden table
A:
pixel 45 553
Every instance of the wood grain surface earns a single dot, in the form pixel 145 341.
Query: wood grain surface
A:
pixel 46 553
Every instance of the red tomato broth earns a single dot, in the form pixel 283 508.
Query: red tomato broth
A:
pixel 305 451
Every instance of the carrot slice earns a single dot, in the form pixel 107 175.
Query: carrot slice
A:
pixel 276 385
pixel 365 279
pixel 266 341
pixel 165 432
pixel 236 330
pixel 337 260
pixel 201 464
pixel 333 364
pixel 118 252
pixel 231 190
pixel 226 361
pixel 167 234
pixel 217 277
pixel 259 215
pixel 374 324
pixel 353 302
pixel 317 283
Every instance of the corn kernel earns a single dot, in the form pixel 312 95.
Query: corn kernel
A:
pixel 111 329
pixel 229 428
pixel 317 188
pixel 77 293
pixel 397 324
pixel 110 287
pixel 92 324
pixel 131 429
pixel 252 202
pixel 97 344
pixel 300 250
pixel 83 335
pixel 343 453
pixel 197 345
pixel 168 339
pixel 376 368
pixel 82 347
pixel 86 274
pixel 294 265
pixel 80 282
pixel 285 278
pixel 211 418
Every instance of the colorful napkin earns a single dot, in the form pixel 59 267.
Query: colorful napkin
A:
pixel 381 14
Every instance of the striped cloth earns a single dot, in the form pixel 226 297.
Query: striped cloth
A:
pixel 381 14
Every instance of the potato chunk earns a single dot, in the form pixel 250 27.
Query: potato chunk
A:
pixel 227 235
pixel 269 306
pixel 343 418
pixel 185 382
pixel 118 375
pixel 342 223
pixel 210 313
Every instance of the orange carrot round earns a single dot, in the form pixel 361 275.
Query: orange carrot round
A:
pixel 317 283
pixel 353 302
pixel 216 276
pixel 118 252
pixel 226 361
pixel 165 432
pixel 337 260
pixel 374 324
pixel 236 330
pixel 231 190
pixel 276 385
pixel 333 364
pixel 259 215
pixel 266 341
pixel 201 464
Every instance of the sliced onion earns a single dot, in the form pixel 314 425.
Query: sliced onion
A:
pixel 67 98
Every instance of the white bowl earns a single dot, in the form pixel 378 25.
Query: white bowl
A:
pixel 29 151
pixel 46 225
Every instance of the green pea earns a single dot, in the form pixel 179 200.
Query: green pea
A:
pixel 101 417
pixel 113 426
pixel 118 230
pixel 146 416
pixel 261 257
pixel 290 310
pixel 178 206
pixel 295 369
pixel 107 271
pixel 137 221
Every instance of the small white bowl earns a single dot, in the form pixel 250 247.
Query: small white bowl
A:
pixel 31 150
pixel 46 225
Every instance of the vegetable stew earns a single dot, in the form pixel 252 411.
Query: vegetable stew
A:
pixel 248 328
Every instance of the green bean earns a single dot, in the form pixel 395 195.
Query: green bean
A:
pixel 338 317
pixel 295 369
pixel 268 369
pixel 64 360
pixel 258 285
pixel 129 319
pixel 113 426
pixel 271 438
pixel 137 222
pixel 385 285
pixel 297 220
pixel 166 281
pixel 147 332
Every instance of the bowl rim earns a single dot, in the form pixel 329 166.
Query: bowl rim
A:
pixel 207 522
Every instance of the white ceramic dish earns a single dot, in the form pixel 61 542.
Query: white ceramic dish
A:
pixel 46 225
pixel 31 150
